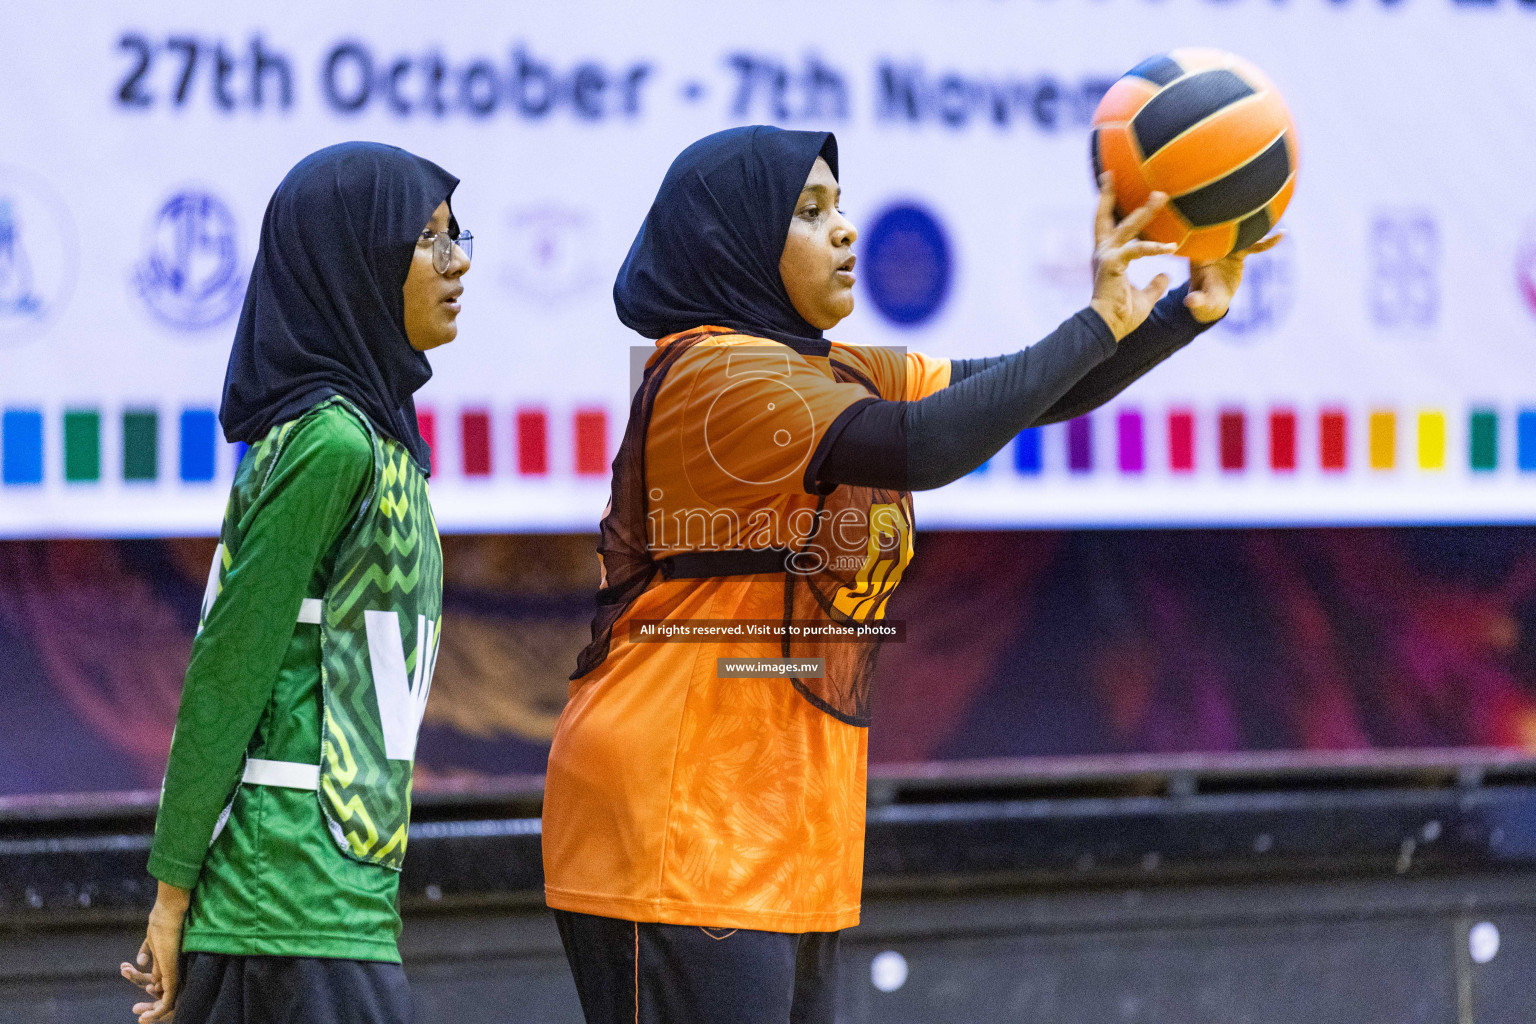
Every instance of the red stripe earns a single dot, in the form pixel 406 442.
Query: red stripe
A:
pixel 591 441
pixel 426 422
pixel 1181 441
pixel 1282 440
pixel 1234 447
pixel 532 442
pixel 1331 435
pixel 475 430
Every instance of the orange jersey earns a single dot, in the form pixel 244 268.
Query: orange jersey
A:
pixel 679 797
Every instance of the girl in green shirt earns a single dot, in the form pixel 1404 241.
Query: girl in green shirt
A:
pixel 285 810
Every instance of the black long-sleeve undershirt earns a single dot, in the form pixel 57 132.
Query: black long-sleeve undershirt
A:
pixel 931 442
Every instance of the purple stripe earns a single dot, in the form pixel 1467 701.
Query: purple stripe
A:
pixel 1131 455
pixel 1080 444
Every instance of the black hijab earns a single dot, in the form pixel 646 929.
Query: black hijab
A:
pixel 708 252
pixel 324 313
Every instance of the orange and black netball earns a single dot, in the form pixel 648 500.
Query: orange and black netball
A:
pixel 1212 132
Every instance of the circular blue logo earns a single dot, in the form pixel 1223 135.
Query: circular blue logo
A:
pixel 191 274
pixel 907 265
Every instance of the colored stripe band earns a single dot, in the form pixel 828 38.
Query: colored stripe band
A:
pixel 1483 440
pixel 1181 441
pixel 82 445
pixel 1383 438
pixel 1080 444
pixel 141 444
pixel 1027 452
pixel 1432 440
pixel 21 446
pixel 1282 441
pixel 591 441
pixel 1132 446
pixel 198 446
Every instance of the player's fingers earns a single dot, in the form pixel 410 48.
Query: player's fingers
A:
pixel 1156 287
pixel 159 1010
pixel 138 977
pixel 1138 219
pixel 1104 217
pixel 143 957
pixel 1136 250
pixel 1265 245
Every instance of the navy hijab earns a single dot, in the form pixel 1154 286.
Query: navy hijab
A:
pixel 325 312
pixel 708 252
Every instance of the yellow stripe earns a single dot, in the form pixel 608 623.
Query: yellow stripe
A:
pixel 1383 440
pixel 1431 439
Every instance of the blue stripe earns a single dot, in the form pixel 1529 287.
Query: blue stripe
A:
pixel 21 448
pixel 1525 431
pixel 1026 451
pixel 197 444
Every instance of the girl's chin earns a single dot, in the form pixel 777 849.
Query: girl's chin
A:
pixel 834 313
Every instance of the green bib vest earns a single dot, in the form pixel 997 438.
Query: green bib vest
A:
pixel 379 622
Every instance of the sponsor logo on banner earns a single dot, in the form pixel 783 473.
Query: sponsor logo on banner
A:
pixel 39 255
pixel 1265 296
pixel 907 264
pixel 191 275
pixel 1404 282
pixel 1525 266
pixel 549 253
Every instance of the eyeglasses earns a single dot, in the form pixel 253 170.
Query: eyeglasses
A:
pixel 442 247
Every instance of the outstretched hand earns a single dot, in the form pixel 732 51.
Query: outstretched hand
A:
pixel 1212 284
pixel 1122 305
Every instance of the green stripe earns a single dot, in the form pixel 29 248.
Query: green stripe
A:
pixel 82 445
pixel 1485 439
pixel 141 444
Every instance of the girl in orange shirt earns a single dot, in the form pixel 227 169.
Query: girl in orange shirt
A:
pixel 704 823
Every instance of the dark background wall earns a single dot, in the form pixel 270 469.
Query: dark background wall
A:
pixel 1018 644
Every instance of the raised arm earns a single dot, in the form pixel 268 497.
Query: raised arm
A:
pixel 1169 327
pixel 929 442
pixel 1088 360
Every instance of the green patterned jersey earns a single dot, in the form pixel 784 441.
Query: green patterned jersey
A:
pixel 327 523
pixel 379 646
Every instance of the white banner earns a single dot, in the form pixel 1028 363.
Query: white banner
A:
pixel 1377 367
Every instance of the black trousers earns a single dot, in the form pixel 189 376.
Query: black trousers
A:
pixel 629 973
pixel 221 989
